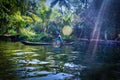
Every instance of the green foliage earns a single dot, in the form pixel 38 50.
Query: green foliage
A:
pixel 10 16
pixel 36 18
pixel 44 12
pixel 67 18
pixel 27 32
pixel 43 37
pixel 68 38
pixel 18 17
pixel 20 22
pixel 55 15
pixel 12 31
pixel 27 19
pixel 33 19
pixel 7 8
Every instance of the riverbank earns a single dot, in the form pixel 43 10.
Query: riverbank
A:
pixel 9 37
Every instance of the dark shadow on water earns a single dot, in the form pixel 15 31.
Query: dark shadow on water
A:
pixel 6 65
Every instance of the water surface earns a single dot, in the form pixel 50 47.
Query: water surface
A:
pixel 22 62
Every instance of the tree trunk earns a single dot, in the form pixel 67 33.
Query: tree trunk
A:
pixel 18 30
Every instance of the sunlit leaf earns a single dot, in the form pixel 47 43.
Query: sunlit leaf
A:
pixel 36 18
pixel 27 32
pixel 18 17
pixel 27 19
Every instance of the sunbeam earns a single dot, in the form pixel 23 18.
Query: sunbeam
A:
pixel 96 31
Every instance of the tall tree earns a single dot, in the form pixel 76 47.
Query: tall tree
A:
pixel 7 9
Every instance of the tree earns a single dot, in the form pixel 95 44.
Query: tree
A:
pixel 8 9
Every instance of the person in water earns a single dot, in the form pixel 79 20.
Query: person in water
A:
pixel 58 41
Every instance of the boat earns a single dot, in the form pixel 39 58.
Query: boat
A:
pixel 101 42
pixel 41 43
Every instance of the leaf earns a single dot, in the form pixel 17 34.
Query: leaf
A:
pixel 27 32
pixel 18 17
pixel 36 18
pixel 27 19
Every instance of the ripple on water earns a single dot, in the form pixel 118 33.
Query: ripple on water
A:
pixel 75 52
pixel 38 73
pixel 72 66
pixel 18 50
pixel 50 53
pixel 59 76
pixel 44 63
pixel 51 57
pixel 23 53
pixel 27 68
pixel 35 55
pixel 33 61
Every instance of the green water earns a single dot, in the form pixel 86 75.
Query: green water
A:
pixel 23 62
pixel 18 61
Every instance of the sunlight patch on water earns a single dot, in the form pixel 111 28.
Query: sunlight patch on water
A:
pixel 23 53
pixel 27 68
pixel 73 66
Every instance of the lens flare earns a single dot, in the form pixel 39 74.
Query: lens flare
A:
pixel 95 36
pixel 67 30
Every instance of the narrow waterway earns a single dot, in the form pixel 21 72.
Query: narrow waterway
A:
pixel 23 62
pixel 18 61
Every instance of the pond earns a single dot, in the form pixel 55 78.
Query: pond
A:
pixel 23 62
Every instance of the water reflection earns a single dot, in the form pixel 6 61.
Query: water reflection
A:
pixel 18 61
pixel 21 62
